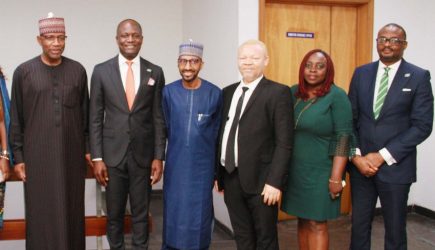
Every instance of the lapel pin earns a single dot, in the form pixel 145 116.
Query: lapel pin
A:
pixel 407 74
pixel 151 82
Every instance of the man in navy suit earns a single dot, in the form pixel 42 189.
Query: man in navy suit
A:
pixel 392 104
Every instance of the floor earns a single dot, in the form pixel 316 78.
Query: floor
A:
pixel 421 232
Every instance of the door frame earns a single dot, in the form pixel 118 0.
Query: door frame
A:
pixel 363 49
pixel 365 13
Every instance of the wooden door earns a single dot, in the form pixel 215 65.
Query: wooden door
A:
pixel 291 28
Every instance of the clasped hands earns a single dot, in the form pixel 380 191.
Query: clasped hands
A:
pixel 369 164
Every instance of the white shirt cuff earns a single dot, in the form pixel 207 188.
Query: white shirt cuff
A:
pixel 97 159
pixel 358 151
pixel 389 159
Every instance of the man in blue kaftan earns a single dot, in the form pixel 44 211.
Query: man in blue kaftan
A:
pixel 192 108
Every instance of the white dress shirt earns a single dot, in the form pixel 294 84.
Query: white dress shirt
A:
pixel 231 113
pixel 135 66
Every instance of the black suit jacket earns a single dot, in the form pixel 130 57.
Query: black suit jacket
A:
pixel 265 136
pixel 114 128
pixel 404 122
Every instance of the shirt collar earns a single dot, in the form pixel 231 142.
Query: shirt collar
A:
pixel 394 66
pixel 122 59
pixel 251 85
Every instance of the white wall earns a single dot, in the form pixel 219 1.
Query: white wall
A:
pixel 417 19
pixel 91 30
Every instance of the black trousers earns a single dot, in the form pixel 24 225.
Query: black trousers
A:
pixel 254 222
pixel 394 199
pixel 128 180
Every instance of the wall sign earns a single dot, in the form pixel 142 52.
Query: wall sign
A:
pixel 300 34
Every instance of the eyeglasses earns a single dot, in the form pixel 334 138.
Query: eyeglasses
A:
pixel 317 66
pixel 192 62
pixel 392 40
pixel 53 38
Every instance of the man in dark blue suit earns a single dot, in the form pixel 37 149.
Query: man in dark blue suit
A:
pixel 392 104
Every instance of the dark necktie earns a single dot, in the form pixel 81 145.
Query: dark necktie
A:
pixel 230 161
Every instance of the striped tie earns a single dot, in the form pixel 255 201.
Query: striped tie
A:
pixel 382 93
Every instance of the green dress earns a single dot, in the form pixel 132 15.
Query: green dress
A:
pixel 323 129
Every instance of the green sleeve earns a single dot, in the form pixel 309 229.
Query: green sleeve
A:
pixel 343 140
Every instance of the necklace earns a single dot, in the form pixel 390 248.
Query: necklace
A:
pixel 304 109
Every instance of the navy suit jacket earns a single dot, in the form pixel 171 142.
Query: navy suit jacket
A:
pixel 405 120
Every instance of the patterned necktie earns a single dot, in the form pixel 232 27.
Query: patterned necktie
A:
pixel 230 159
pixel 129 85
pixel 382 93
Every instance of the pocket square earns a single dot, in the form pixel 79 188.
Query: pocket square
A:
pixel 407 74
pixel 406 90
pixel 151 82
pixel 149 70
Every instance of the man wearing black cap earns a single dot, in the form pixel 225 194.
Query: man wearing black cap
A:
pixel 49 121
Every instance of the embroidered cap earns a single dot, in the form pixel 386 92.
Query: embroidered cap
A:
pixel 191 48
pixel 51 24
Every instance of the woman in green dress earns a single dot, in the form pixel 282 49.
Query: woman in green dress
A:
pixel 323 142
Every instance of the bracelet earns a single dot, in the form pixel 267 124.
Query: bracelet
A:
pixel 4 157
pixel 335 182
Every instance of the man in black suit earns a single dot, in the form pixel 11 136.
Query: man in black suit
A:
pixel 127 133
pixel 253 168
pixel 392 105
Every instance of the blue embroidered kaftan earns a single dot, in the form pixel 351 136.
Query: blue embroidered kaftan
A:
pixel 192 119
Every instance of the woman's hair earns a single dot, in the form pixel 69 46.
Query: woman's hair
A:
pixel 302 91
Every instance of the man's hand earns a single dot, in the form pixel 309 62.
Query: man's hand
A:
pixel 156 171
pixel 375 159
pixel 4 167
pixel 20 171
pixel 89 161
pixel 100 172
pixel 365 167
pixel 271 195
